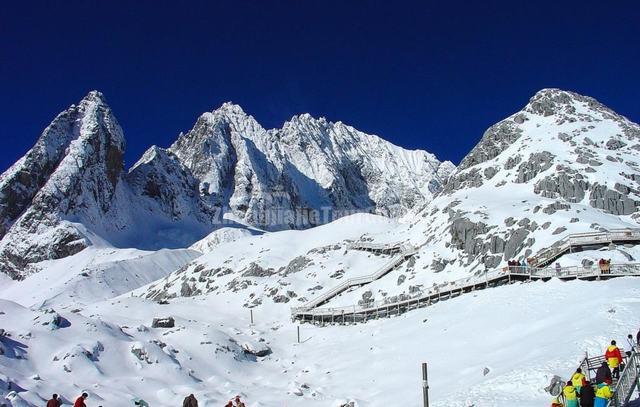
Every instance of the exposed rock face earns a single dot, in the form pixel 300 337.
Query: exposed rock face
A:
pixel 296 265
pixel 571 187
pixel 612 201
pixel 257 350
pixel 464 235
pixel 537 163
pixel 514 244
pixel 495 140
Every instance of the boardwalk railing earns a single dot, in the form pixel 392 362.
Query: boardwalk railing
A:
pixel 536 270
pixel 546 256
pixel 628 381
pixel 438 292
pixel 352 282
pixel 624 387
pixel 384 248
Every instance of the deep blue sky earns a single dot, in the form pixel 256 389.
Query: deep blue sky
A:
pixel 431 76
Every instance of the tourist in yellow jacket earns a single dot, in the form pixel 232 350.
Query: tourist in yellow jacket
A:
pixel 603 394
pixel 570 396
pixel 578 380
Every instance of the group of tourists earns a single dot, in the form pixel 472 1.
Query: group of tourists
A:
pixel 578 391
pixel 515 265
pixel 189 401
pixel 56 401
pixel 605 266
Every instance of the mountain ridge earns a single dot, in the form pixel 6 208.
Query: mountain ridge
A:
pixel 227 163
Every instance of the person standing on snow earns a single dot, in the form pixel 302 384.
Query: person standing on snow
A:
pixel 631 344
pixel 603 394
pixel 603 373
pixel 54 402
pixel 190 401
pixel 587 395
pixel 80 400
pixel 238 402
pixel 614 358
pixel 570 396
pixel 578 380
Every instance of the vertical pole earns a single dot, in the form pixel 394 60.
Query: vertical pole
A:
pixel 251 311
pixel 298 333
pixel 425 386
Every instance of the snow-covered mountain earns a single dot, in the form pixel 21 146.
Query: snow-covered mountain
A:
pixel 68 182
pixel 563 164
pixel 71 189
pixel 307 173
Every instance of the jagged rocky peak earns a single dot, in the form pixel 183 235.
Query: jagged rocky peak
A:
pixel 309 163
pixel 81 135
pixel 71 173
pixel 550 101
pixel 564 164
pixel 548 107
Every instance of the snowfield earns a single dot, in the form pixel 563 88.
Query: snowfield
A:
pixel 522 333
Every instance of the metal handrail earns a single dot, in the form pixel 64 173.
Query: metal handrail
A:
pixel 544 272
pixel 358 280
pixel 375 246
pixel 627 382
pixel 448 288
pixel 581 238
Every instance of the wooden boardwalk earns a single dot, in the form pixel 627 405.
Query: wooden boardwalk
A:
pixel 383 309
pixel 311 312
pixel 583 241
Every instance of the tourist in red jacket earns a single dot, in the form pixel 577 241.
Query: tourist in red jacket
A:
pixel 80 400
pixel 54 402
pixel 614 358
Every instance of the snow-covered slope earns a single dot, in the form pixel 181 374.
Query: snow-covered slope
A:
pixel 523 334
pixel 287 267
pixel 94 274
pixel 70 191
